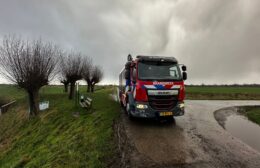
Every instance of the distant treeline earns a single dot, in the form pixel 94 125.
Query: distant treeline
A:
pixel 224 85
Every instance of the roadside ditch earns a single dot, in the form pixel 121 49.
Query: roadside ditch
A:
pixel 234 120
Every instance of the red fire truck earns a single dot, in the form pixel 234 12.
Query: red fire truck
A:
pixel 152 87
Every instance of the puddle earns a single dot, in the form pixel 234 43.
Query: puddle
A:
pixel 247 131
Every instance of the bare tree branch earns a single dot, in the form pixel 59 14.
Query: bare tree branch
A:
pixel 30 65
pixel 96 77
pixel 87 73
pixel 72 65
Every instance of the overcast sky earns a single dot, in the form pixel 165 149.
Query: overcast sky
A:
pixel 218 40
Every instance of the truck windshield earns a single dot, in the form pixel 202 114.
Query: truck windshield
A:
pixel 158 71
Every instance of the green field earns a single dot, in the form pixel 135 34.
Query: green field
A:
pixel 223 92
pixel 223 89
pixel 57 138
pixel 252 113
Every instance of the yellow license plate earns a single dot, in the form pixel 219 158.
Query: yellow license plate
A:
pixel 166 113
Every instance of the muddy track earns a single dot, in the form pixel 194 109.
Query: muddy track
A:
pixel 194 140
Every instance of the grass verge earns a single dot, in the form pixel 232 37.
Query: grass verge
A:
pixel 57 138
pixel 252 113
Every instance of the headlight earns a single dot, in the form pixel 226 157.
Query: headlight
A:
pixel 141 106
pixel 181 105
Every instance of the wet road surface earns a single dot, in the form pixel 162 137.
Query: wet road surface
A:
pixel 193 140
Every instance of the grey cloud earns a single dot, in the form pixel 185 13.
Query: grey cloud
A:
pixel 218 40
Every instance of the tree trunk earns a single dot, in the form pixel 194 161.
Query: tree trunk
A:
pixel 72 90
pixel 92 87
pixel 89 86
pixel 33 102
pixel 66 85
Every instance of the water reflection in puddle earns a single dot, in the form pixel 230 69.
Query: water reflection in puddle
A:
pixel 240 127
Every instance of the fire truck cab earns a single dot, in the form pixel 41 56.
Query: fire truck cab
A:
pixel 152 87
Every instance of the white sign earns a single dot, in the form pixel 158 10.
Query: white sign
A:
pixel 44 105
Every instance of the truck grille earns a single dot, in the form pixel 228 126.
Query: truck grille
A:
pixel 163 102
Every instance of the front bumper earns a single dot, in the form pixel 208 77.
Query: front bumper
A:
pixel 149 112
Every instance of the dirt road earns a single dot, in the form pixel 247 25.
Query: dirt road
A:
pixel 193 140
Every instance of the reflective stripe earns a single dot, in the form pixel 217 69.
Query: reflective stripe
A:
pixel 150 86
pixel 176 87
pixel 159 86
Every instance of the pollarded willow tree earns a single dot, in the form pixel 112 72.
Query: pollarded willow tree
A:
pixel 30 65
pixel 62 75
pixel 92 75
pixel 97 76
pixel 66 83
pixel 72 66
pixel 87 73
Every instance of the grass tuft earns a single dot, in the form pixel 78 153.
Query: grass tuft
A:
pixel 254 115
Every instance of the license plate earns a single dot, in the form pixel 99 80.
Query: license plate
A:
pixel 166 113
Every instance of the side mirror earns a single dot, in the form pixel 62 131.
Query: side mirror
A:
pixel 184 68
pixel 127 74
pixel 129 57
pixel 184 75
